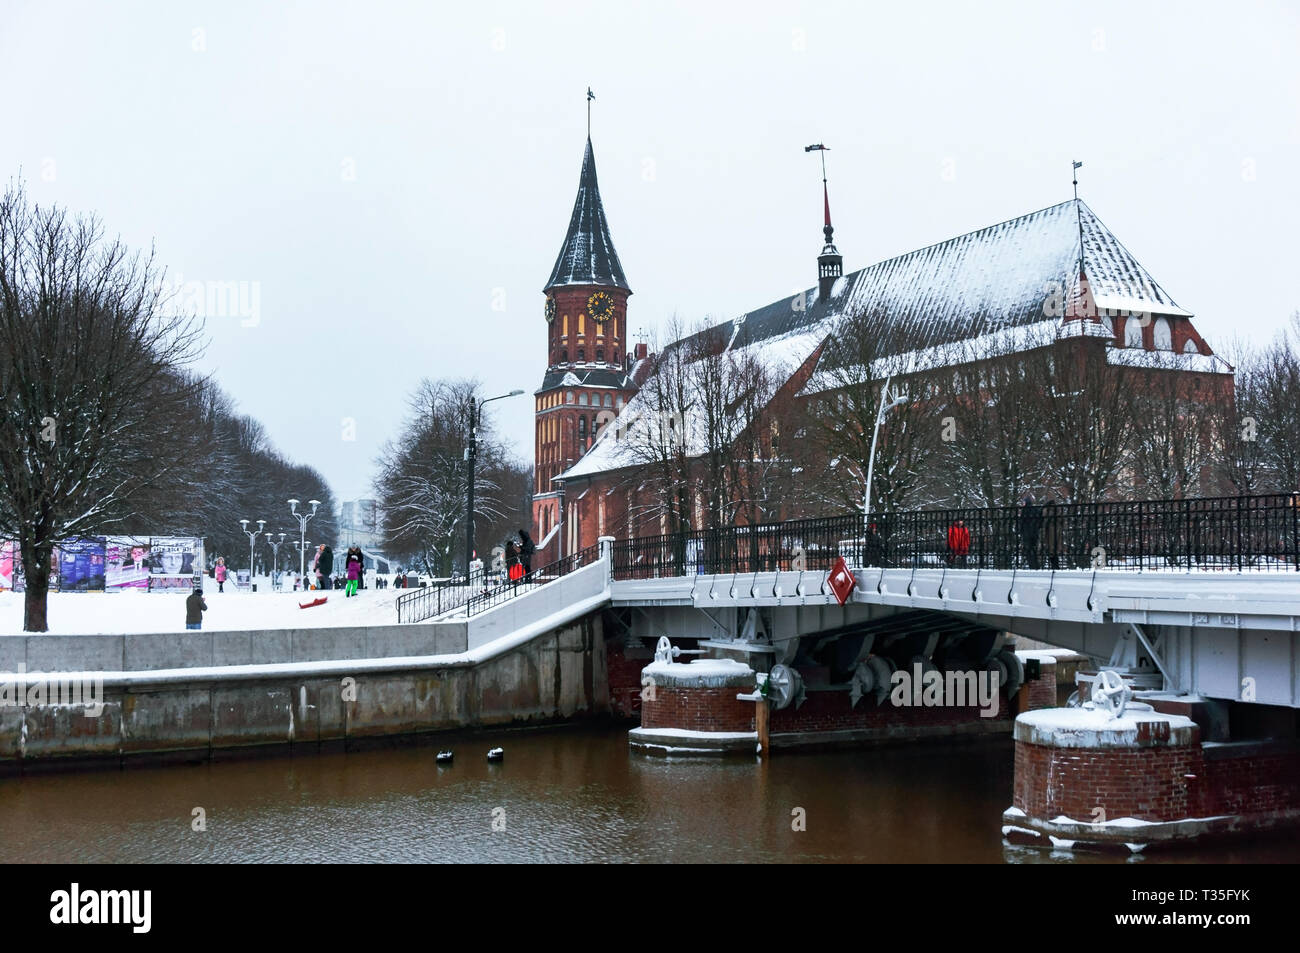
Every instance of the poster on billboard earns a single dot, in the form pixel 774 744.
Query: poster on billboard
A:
pixel 81 565
pixel 175 562
pixel 19 576
pixel 8 563
pixel 126 563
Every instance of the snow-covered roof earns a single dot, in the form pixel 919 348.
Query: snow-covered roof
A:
pixel 781 356
pixel 1009 285
pixel 587 256
pixel 1168 360
pixel 1011 274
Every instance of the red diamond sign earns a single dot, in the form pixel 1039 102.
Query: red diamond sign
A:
pixel 841 581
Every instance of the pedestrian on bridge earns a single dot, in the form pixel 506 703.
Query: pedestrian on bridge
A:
pixel 526 549
pixel 1052 535
pixel 1029 525
pixel 514 568
pixel 958 544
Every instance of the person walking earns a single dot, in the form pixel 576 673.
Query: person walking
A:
pixel 1030 526
pixel 353 570
pixel 327 565
pixel 1052 535
pixel 958 544
pixel 194 609
pixel 219 573
pixel 514 569
pixel 526 549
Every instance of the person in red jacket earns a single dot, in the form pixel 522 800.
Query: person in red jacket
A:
pixel 958 543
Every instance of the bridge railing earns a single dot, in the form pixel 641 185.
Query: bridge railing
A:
pixel 432 601
pixel 429 601
pixel 495 595
pixel 1238 533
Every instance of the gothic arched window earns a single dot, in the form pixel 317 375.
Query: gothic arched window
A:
pixel 582 399
pixel 582 355
pixel 1133 331
pixel 1162 335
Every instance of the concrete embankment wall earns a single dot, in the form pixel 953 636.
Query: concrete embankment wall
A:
pixel 189 696
pixel 151 651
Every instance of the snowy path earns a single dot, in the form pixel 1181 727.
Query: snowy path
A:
pixel 130 612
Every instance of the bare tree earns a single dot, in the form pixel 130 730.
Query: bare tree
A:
pixel 1239 444
pixel 1279 388
pixel 1085 410
pixel 91 384
pixel 653 440
pixel 867 348
pixel 991 440
pixel 1173 430
pixel 422 482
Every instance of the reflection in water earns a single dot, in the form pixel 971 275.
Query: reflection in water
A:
pixel 564 795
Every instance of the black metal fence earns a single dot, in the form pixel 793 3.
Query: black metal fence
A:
pixel 1235 533
pixel 495 595
pixel 431 601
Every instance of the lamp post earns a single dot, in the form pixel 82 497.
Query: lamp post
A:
pixel 252 537
pixel 302 549
pixel 471 455
pixel 303 519
pixel 275 554
pixel 875 434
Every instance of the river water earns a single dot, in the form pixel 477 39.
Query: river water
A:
pixel 569 794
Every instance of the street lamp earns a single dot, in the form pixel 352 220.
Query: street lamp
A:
pixel 302 549
pixel 871 460
pixel 303 520
pixel 275 554
pixel 471 455
pixel 252 537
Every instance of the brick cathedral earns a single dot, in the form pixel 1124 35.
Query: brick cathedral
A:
pixel 990 285
pixel 590 373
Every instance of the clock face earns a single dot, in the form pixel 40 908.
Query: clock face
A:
pixel 550 309
pixel 601 307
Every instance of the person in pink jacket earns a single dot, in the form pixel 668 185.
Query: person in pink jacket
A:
pixel 220 573
pixel 354 569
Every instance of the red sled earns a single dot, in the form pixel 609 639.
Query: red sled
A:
pixel 317 602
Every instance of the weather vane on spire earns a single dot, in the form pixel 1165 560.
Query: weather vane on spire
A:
pixel 826 195
pixel 590 97
pixel 1076 165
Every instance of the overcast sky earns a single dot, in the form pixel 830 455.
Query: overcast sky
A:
pixel 392 181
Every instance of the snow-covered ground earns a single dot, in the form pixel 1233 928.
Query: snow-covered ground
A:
pixel 128 612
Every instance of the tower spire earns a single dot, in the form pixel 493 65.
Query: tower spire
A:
pixel 590 97
pixel 1076 165
pixel 830 264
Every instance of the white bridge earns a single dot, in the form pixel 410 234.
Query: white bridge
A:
pixel 1196 596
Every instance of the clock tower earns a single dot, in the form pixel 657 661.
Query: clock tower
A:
pixel 586 381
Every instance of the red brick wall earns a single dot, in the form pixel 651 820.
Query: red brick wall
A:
pixel 1245 785
pixel 1152 784
pixel 830 711
pixel 1146 783
pixel 698 709
pixel 1041 691
pixel 624 681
